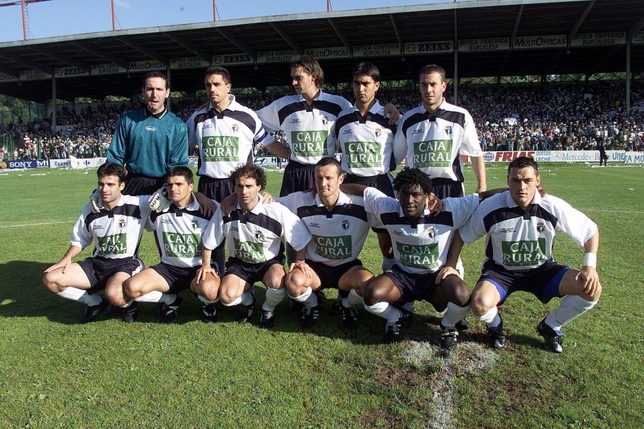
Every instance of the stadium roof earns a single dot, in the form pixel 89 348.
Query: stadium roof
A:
pixel 493 38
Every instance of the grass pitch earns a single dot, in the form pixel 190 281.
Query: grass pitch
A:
pixel 57 373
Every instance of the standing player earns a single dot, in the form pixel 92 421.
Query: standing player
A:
pixel 255 235
pixel 225 132
pixel 306 119
pixel 364 136
pixel 150 140
pixel 116 232
pixel 178 233
pixel 520 227
pixel 434 135
pixel 339 226
pixel 425 264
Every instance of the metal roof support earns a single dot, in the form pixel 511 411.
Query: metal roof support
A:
pixel 287 38
pixel 99 53
pixel 78 64
pixel 344 40
pixel 189 47
pixel 245 49
pixel 54 90
pixel 145 51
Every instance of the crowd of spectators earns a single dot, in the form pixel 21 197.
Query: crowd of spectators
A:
pixel 508 117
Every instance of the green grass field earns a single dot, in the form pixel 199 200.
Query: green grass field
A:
pixel 57 373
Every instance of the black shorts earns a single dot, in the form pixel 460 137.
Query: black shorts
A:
pixel 297 177
pixel 542 282
pixel 141 185
pixel 382 182
pixel 251 273
pixel 330 276
pixel 412 287
pixel 99 270
pixel 444 188
pixel 178 278
pixel 216 189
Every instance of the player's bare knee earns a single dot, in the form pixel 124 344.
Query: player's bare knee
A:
pixel 480 304
pixel 132 288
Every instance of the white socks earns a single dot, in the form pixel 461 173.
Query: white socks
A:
pixel 453 315
pixel 571 307
pixel 384 310
pixel 80 295
pixel 273 298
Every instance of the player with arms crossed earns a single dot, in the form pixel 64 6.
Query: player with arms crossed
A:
pixel 178 233
pixel 116 231
pixel 255 235
pixel 520 226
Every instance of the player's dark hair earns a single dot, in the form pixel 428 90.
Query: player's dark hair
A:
pixel 185 172
pixel 225 75
pixel 433 68
pixel 311 66
pixel 368 69
pixel 329 160
pixel 251 171
pixel 410 177
pixel 155 73
pixel 111 169
pixel 523 162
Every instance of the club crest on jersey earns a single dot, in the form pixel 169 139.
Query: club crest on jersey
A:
pixel 325 120
pixel 345 224
pixel 235 127
pixel 431 231
pixel 259 236
pixel 195 224
pixel 541 227
pixel 378 132
pixel 448 130
pixel 122 223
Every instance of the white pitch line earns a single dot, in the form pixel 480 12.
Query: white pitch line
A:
pixel 23 225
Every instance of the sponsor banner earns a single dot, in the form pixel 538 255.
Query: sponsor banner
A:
pixel 377 50
pixel 34 75
pixel 574 156
pixel 18 164
pixel 70 72
pixel 484 44
pixel 108 68
pixel 269 161
pixel 638 39
pixel 188 63
pixel 327 53
pixel 554 155
pixel 277 56
pixel 599 39
pixel 540 42
pixel 232 59
pixel 616 155
pixel 60 163
pixel 146 66
pixel 634 157
pixel 86 162
pixel 7 78
pixel 420 48
pixel 506 156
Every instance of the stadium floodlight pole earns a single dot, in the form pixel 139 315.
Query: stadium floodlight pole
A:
pixel 113 18
pixel 214 10
pixel 24 22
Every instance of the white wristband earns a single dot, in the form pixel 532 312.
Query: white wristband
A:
pixel 590 260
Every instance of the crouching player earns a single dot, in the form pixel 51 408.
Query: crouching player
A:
pixel 178 233
pixel 424 268
pixel 116 231
pixel 520 227
pixel 339 225
pixel 255 235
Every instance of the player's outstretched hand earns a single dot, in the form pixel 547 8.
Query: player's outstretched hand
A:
pixel 207 207
pixel 96 202
pixel 159 201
